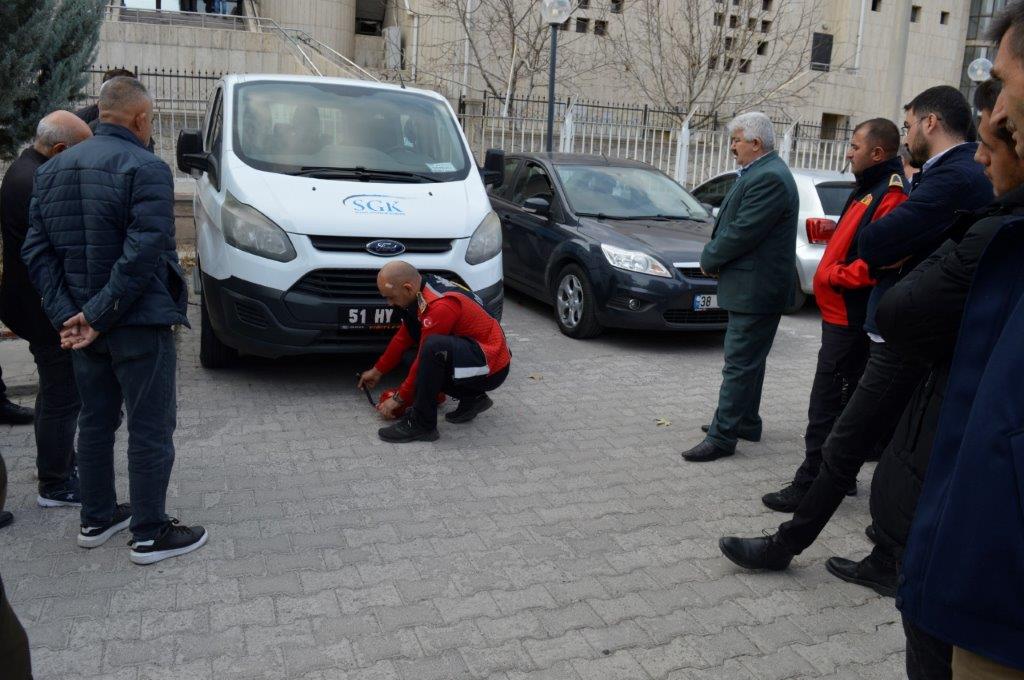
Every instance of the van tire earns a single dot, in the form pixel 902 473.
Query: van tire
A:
pixel 213 354
pixel 572 282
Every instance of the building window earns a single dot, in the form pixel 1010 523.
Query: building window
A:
pixel 616 6
pixel 821 52
pixel 368 27
pixel 762 48
pixel 728 64
pixel 751 24
pixel 834 125
pixel 712 63
pixel 719 19
pixel 943 18
pixel 876 5
pixel 744 66
pixel 915 13
pixel 735 3
pixel 734 21
pixel 766 5
pixel 582 25
pixel 766 26
pixel 729 43
pixel 584 4
pixel 600 27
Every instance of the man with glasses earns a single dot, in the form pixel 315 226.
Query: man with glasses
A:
pixel 937 127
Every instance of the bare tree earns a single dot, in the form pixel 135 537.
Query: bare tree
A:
pixel 507 45
pixel 716 55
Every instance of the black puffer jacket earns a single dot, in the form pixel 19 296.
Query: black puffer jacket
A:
pixel 920 317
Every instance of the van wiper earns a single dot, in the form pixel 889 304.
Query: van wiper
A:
pixel 362 174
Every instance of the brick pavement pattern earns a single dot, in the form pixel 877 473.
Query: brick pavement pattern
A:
pixel 559 536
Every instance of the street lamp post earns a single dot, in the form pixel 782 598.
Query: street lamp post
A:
pixel 553 12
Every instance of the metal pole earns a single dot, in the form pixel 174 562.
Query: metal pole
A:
pixel 551 85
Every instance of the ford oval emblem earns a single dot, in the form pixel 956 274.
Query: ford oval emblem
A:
pixel 385 248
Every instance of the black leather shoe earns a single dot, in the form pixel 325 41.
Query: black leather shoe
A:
pixel 469 409
pixel 765 553
pixel 12 414
pixel 5 518
pixel 745 437
pixel 705 452
pixel 786 499
pixel 406 430
pixel 871 533
pixel 881 578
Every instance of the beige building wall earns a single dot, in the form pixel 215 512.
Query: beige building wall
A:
pixel 330 21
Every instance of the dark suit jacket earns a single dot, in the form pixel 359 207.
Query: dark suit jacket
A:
pixel 20 305
pixel 753 247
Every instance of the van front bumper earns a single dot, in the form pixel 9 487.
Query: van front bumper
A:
pixel 271 323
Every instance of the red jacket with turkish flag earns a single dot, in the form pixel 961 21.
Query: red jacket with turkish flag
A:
pixel 843 281
pixel 448 309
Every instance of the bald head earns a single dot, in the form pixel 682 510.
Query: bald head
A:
pixel 58 131
pixel 399 283
pixel 124 101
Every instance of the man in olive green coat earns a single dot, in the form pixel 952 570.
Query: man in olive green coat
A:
pixel 752 253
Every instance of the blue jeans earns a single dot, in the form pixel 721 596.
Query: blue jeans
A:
pixel 134 365
pixel 57 406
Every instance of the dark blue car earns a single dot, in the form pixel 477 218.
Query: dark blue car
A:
pixel 609 242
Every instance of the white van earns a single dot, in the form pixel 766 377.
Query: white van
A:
pixel 305 187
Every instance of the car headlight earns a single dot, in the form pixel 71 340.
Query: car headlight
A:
pixel 486 240
pixel 633 261
pixel 248 229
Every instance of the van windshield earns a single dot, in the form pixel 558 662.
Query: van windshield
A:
pixel 328 129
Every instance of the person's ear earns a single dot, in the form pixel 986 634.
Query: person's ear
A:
pixel 57 148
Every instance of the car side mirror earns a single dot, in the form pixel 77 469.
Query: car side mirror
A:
pixel 707 206
pixel 493 172
pixel 193 159
pixel 538 205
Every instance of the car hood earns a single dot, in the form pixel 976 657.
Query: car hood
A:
pixel 676 241
pixel 322 207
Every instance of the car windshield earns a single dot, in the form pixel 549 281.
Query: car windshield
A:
pixel 333 131
pixel 626 193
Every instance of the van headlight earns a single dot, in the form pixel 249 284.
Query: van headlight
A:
pixel 633 261
pixel 486 240
pixel 248 229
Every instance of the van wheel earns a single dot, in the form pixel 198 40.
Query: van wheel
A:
pixel 213 353
pixel 799 297
pixel 575 310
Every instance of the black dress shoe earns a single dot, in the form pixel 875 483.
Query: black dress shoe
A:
pixel 407 430
pixel 12 414
pixel 765 553
pixel 786 499
pixel 871 533
pixel 870 573
pixel 705 452
pixel 745 437
pixel 5 518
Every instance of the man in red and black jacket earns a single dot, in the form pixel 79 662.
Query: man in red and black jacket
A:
pixel 460 350
pixel 842 286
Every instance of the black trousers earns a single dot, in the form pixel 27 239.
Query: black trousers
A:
pixel 841 360
pixel 57 407
pixel 436 373
pixel 869 418
pixel 14 654
pixel 928 658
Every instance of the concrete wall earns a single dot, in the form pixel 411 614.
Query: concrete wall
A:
pixel 330 21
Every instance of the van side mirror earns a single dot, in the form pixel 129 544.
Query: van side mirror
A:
pixel 493 172
pixel 538 205
pixel 189 153
pixel 707 206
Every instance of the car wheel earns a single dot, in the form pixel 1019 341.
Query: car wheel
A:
pixel 799 297
pixel 213 353
pixel 575 310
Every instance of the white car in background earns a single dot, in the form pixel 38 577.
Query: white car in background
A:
pixel 823 194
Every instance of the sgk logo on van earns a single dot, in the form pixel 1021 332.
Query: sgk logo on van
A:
pixel 375 204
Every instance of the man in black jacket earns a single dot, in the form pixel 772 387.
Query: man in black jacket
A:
pixel 57 398
pixel 937 124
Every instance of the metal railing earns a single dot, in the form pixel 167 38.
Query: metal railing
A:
pixel 332 55
pixel 115 11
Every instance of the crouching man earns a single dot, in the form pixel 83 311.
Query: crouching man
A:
pixel 460 350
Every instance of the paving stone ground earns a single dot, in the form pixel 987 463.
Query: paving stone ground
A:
pixel 559 536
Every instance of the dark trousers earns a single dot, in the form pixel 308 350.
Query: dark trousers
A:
pixel 3 483
pixel 869 418
pixel 15 660
pixel 748 339
pixel 841 360
pixel 57 406
pixel 928 658
pixel 436 373
pixel 134 365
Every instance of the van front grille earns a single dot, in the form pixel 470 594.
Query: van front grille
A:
pixel 357 244
pixel 348 284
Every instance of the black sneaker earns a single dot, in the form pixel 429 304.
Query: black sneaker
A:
pixel 469 409
pixel 173 540
pixel 786 499
pixel 93 537
pixel 407 430
pixel 66 496
pixel 12 414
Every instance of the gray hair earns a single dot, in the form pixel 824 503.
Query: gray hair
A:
pixel 122 94
pixel 60 127
pixel 755 125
